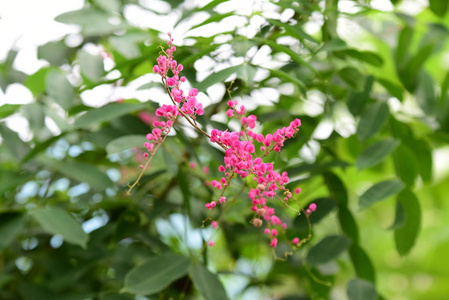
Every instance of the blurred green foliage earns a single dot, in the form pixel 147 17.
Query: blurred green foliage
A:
pixel 371 89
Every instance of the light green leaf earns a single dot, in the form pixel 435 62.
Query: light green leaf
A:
pixel 394 89
pixel 288 77
pixel 372 120
pixel 125 143
pixel 36 82
pixel 59 89
pixel 359 289
pixel 156 274
pixel 380 191
pixel 246 73
pixel 91 65
pixel 8 109
pixel 15 145
pixel 58 221
pixel 405 236
pixel 207 283
pixel 328 249
pixel 112 5
pixel 108 112
pixel 11 224
pixel 375 153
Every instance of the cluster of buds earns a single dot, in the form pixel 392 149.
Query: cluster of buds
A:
pixel 244 149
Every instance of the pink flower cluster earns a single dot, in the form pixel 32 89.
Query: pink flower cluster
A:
pixel 189 104
pixel 244 150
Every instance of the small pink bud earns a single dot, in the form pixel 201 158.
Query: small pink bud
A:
pixel 312 206
pixel 274 232
pixel 257 223
pixel 295 241
pixel 297 191
pixel 274 242
pixel 211 243
pixel 266 231
pixel 192 165
pixel 214 224
pixel 141 166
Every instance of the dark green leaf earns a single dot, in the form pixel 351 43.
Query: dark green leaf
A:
pixel 359 289
pixel 362 264
pixel 335 44
pixel 375 153
pixel 105 113
pixel 294 31
pixel 405 236
pixel 366 56
pixel 84 172
pixel 406 164
pixel 125 143
pixel 207 283
pixel 352 77
pixel 425 94
pixel 59 89
pixel 380 191
pixel 439 7
pixel 348 223
pixel 155 274
pixel 58 221
pixel 399 218
pixel 394 89
pixel 336 188
pixel 15 145
pixel 91 65
pixel 403 48
pixel 372 120
pixel 358 100
pixel 328 249
pixel 11 224
pixel 324 207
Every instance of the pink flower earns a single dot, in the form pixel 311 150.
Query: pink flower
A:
pixel 274 242
pixel 312 206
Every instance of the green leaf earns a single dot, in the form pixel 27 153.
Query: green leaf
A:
pixel 214 78
pixel 11 224
pixel 59 89
pixel 328 249
pixel 366 56
pixel 288 77
pixel 294 31
pixel 281 48
pixel 358 100
pixel 125 143
pixel 348 223
pixel 405 164
pixel 105 113
pixel 352 77
pixel 36 82
pixel 214 18
pixel 403 48
pixel 58 221
pixel 15 145
pixel 91 65
pixel 372 120
pixel 93 22
pixel 336 188
pixel 380 191
pixel 405 236
pixel 112 5
pixel 56 53
pixel 207 283
pixel 84 172
pixel 335 44
pixel 362 264
pixel 155 274
pixel 399 218
pixel 439 7
pixel 8 109
pixel 359 289
pixel 425 94
pixel 376 153
pixel 126 44
pixel 246 73
pixel 394 89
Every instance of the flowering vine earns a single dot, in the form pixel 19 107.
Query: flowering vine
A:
pixel 244 150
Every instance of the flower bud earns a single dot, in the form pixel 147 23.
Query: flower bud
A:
pixel 257 223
